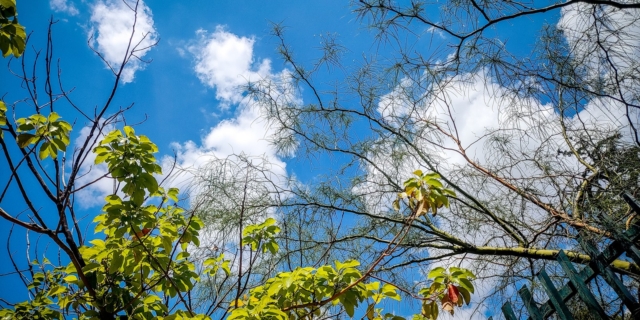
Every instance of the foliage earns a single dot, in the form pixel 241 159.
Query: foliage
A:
pixel 53 132
pixel 452 288
pixel 144 257
pixel 425 193
pixel 12 34
pixel 145 251
pixel 262 235
pixel 138 263
pixel 537 141
pixel 3 116
pixel 515 193
pixel 304 291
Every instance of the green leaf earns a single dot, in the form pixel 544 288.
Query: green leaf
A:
pixel 173 194
pixel 346 264
pixel 465 294
pixel 56 289
pixel 465 283
pixel 269 222
pixel 149 181
pixel 70 268
pixel 24 139
pixel 90 267
pixel 449 192
pixel 436 272
pixel 349 308
pixel 129 131
pixel 8 3
pixel 66 126
pixel 45 151
pixel 113 199
pixel 432 175
pixel 272 246
pixel 390 291
pixel 53 117
pixel 151 299
pixel 225 267
pixel 60 144
pixel 116 262
pixel 434 182
pixel 3 116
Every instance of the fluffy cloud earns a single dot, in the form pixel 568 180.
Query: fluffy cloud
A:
pixel 246 134
pixel 63 6
pixel 235 163
pixel 225 62
pixel 585 26
pixel 112 23
pixel 604 41
pixel 485 119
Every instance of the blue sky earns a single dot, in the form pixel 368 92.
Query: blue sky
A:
pixel 187 99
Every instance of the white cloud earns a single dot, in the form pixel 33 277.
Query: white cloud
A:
pixel 235 160
pixel 591 29
pixel 215 169
pixel 475 110
pixel 112 25
pixel 63 6
pixel 225 62
pixel 603 41
pixel 246 134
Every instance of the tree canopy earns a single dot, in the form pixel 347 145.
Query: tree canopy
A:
pixel 460 166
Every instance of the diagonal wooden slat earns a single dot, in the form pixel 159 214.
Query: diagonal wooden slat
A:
pixel 529 303
pixel 612 252
pixel 600 267
pixel 634 254
pixel 508 311
pixel 580 284
pixel 600 263
pixel 631 201
pixel 554 296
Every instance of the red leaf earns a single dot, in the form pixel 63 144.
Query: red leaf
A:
pixel 453 292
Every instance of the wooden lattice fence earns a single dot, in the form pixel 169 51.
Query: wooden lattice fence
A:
pixel 578 280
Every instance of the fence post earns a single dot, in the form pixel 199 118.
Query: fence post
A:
pixel 529 303
pixel 580 284
pixel 554 296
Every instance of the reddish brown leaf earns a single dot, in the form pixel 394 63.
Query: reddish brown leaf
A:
pixel 453 293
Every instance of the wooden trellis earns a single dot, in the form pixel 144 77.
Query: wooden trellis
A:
pixel 578 280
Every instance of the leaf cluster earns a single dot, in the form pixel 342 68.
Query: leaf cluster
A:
pixel 143 259
pixel 53 132
pixel 131 161
pixel 302 292
pixel 424 192
pixel 255 235
pixel 13 36
pixel 451 287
